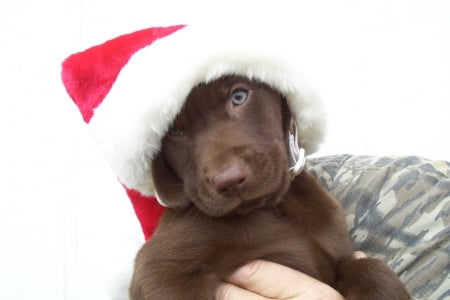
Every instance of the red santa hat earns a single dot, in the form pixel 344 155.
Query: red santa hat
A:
pixel 130 89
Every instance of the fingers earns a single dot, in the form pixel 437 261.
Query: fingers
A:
pixel 275 281
pixel 359 255
pixel 228 291
pixel 261 280
pixel 266 278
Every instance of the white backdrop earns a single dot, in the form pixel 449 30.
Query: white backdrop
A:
pixel 66 226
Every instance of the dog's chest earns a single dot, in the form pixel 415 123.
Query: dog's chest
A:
pixel 219 245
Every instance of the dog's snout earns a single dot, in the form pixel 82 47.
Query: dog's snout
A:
pixel 231 180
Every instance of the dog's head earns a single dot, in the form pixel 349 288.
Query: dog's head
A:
pixel 227 151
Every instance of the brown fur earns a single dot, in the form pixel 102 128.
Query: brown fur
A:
pixel 223 169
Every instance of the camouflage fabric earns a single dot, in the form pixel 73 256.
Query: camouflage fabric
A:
pixel 398 210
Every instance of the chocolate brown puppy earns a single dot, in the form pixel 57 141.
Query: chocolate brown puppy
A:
pixel 223 171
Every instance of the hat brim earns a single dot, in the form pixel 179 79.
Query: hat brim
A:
pixel 152 87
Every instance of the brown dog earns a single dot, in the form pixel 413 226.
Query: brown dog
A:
pixel 223 171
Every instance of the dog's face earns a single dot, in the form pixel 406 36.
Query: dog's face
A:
pixel 226 152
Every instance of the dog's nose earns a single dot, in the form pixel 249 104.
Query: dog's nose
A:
pixel 231 180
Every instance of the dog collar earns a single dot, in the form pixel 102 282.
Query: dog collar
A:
pixel 297 152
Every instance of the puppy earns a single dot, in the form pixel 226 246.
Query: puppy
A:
pixel 223 171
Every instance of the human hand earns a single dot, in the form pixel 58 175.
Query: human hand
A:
pixel 259 280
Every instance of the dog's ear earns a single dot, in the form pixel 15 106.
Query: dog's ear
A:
pixel 168 185
pixel 287 118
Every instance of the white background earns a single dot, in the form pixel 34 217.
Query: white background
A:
pixel 66 226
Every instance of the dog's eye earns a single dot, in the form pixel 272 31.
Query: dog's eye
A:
pixel 174 131
pixel 239 96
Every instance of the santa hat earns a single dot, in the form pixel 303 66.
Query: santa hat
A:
pixel 130 89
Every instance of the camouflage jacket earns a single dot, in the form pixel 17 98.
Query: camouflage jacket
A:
pixel 397 209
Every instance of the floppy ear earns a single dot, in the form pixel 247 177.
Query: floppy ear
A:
pixel 168 185
pixel 287 118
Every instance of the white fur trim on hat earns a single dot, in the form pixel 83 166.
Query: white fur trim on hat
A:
pixel 152 87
